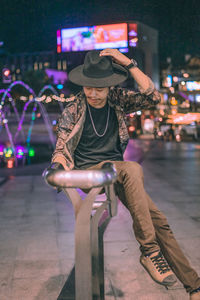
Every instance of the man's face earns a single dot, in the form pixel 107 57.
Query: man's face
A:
pixel 96 97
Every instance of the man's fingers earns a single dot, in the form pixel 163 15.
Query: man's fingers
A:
pixel 107 52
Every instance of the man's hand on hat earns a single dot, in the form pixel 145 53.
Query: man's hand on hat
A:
pixel 117 56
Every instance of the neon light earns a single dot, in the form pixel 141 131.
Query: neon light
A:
pixel 10 163
pixel 193 85
pixel 1 150
pixel 13 151
pixel 169 80
pixel 59 86
pixel 19 151
pixel 184 118
pixel 8 152
pixel 31 152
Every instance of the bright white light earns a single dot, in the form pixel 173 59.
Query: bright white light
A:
pixel 23 98
pixel 193 85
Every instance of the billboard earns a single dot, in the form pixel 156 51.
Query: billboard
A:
pixel 132 34
pixel 92 37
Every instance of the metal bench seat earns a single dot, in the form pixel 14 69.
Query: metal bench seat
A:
pixel 92 217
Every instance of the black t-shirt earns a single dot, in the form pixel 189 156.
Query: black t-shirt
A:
pixel 93 149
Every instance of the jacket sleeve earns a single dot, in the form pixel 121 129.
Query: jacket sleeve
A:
pixel 132 101
pixel 62 153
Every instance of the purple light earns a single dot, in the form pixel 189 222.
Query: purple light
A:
pixel 19 150
pixel 47 87
pixel 31 91
pixel 2 147
pixel 2 91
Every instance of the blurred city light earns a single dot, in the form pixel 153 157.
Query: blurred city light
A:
pixel 186 75
pixel 10 163
pixel 6 72
pixel 132 115
pixel 131 128
pixel 31 152
pixel 193 85
pixel 173 101
pixel 59 86
pixel 19 151
pixel 8 152
pixel 180 118
pixel 6 75
pixel 175 78
pixel 1 150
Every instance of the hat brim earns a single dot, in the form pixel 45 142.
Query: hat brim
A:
pixel 77 76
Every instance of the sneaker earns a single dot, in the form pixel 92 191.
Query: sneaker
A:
pixel 158 268
pixel 195 295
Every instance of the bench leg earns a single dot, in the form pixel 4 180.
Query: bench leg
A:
pixel 83 251
pixel 97 254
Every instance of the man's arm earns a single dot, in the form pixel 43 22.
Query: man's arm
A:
pixel 62 154
pixel 145 84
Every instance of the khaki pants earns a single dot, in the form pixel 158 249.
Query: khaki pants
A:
pixel 149 224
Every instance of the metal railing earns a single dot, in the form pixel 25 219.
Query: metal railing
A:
pixel 92 217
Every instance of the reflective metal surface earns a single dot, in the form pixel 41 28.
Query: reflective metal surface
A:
pixel 81 178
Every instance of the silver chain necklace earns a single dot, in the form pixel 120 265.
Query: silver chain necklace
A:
pixel 99 135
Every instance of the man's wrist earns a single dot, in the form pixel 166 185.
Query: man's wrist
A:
pixel 132 64
pixel 128 62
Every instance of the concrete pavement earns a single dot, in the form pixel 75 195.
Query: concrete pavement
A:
pixel 37 232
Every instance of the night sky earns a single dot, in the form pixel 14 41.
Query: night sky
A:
pixel 31 25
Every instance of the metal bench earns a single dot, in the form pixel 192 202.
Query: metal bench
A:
pixel 92 217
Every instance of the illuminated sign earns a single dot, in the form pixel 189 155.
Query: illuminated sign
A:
pixel 183 118
pixel 92 37
pixel 167 82
pixel 132 35
pixel 193 85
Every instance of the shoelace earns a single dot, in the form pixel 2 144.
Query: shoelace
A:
pixel 160 263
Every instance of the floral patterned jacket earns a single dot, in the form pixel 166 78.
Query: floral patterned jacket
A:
pixel 70 125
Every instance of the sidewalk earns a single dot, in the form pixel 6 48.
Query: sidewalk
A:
pixel 37 240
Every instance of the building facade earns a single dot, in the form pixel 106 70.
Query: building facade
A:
pixel 142 45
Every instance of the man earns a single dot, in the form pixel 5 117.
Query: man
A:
pixel 92 130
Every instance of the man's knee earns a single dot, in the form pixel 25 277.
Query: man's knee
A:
pixel 131 169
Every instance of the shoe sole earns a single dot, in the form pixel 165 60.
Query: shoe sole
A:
pixel 161 283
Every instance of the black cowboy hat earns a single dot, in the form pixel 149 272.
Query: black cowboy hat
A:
pixel 98 71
